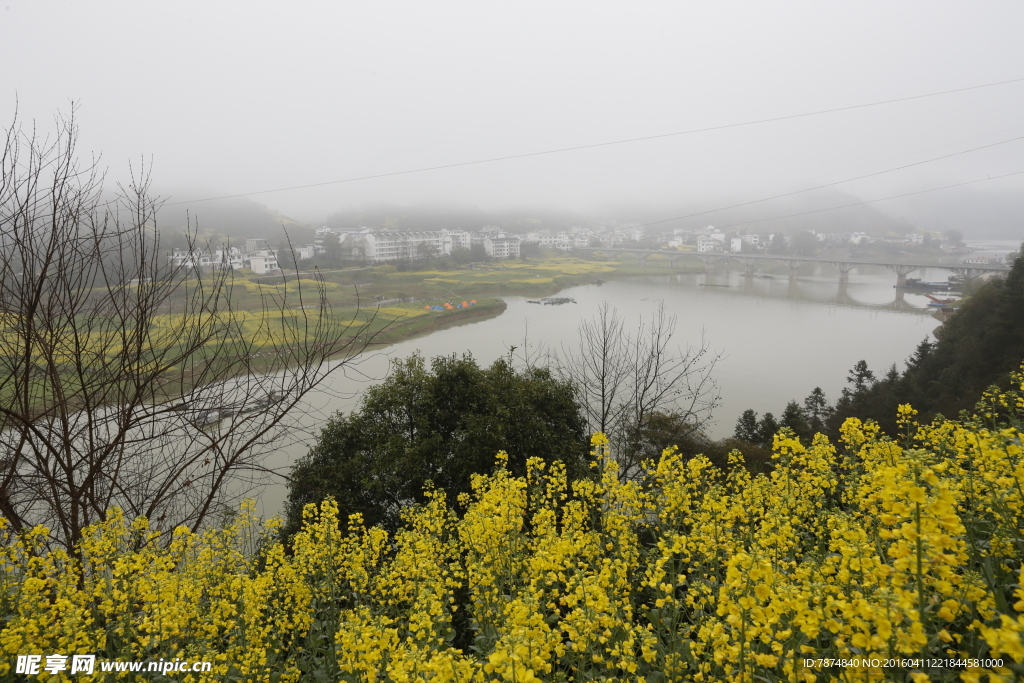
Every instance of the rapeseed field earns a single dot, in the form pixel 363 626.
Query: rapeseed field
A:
pixel 868 560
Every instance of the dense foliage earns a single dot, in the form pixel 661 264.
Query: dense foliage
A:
pixel 441 425
pixel 905 550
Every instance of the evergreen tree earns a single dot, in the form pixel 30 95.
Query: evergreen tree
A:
pixel 285 256
pixel 766 430
pixel 746 427
pixel 977 347
pixel 860 377
pixel 795 418
pixel 778 245
pixel 817 410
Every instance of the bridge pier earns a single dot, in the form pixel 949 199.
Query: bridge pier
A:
pixel 707 259
pixel 901 271
pixel 844 270
pixel 748 265
pixel 794 266
pixel 641 260
pixel 967 273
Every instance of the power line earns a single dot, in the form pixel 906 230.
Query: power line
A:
pixel 817 176
pixel 600 144
pixel 869 201
pixel 837 182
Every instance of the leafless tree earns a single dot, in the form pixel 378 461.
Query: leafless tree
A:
pixel 637 384
pixel 126 381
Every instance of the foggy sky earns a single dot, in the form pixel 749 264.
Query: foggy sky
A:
pixel 237 97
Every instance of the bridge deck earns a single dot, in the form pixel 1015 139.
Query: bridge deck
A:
pixel 801 259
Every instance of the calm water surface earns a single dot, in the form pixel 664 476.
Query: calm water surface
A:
pixel 778 339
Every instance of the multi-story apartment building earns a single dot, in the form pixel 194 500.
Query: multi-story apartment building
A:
pixel 391 246
pixel 455 239
pixel 502 247
pixel 222 257
pixel 182 258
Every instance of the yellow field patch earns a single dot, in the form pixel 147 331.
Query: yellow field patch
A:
pixel 290 287
pixel 534 281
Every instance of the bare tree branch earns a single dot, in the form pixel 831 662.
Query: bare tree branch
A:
pixel 627 381
pixel 127 382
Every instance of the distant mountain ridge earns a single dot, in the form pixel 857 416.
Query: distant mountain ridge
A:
pixel 238 218
pixel 813 210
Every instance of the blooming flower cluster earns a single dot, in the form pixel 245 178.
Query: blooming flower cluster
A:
pixel 904 551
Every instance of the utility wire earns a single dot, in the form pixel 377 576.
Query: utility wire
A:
pixel 869 201
pixel 818 176
pixel 837 182
pixel 600 144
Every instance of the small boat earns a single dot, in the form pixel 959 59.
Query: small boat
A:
pixel 529 301
pixel 940 302
pixel 916 283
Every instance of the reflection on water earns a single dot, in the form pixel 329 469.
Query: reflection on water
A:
pixel 780 338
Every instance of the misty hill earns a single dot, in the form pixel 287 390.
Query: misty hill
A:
pixel 236 219
pixel 420 217
pixel 977 213
pixel 759 217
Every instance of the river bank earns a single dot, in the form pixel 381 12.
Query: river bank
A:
pixel 513 277
pixel 401 329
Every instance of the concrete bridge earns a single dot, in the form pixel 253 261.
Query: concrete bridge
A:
pixel 750 262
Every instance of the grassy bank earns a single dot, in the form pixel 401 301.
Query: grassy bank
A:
pixel 513 277
pixel 405 321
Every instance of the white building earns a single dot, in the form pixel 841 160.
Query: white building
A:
pixel 262 261
pixel 502 247
pixel 632 231
pixel 455 239
pixel 704 244
pixel 222 257
pixel 228 257
pixel 305 251
pixel 752 240
pixel 736 244
pixel 391 246
pixel 561 240
pixel 181 258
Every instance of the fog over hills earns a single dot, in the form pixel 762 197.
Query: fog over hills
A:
pixel 554 112
pixel 978 214
pixel 241 218
pixel 814 210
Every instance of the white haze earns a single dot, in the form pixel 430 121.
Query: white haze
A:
pixel 228 98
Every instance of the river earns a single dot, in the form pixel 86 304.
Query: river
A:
pixel 778 339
